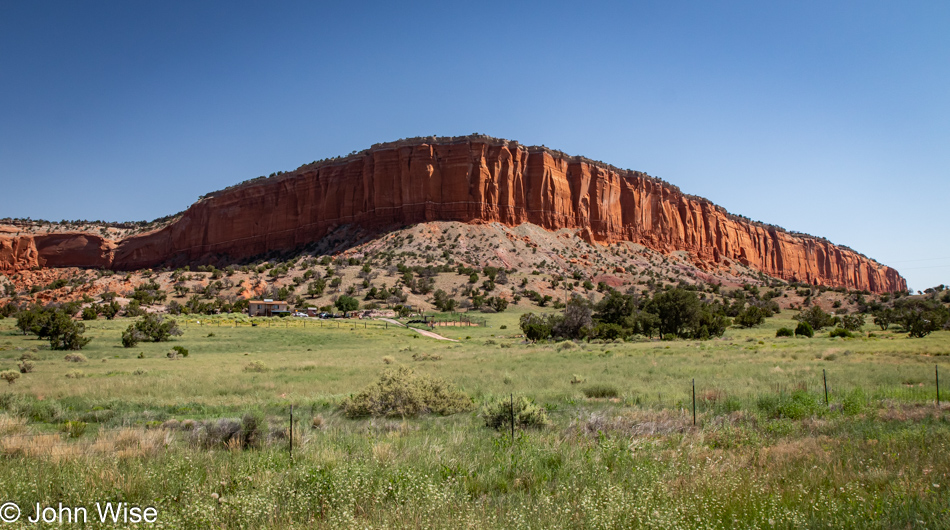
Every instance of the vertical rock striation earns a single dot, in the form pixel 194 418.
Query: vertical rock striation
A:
pixel 467 179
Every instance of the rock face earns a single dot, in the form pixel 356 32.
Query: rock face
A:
pixel 469 179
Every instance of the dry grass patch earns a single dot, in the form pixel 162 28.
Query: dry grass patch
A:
pixel 634 423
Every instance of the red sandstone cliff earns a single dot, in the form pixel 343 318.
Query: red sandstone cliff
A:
pixel 473 179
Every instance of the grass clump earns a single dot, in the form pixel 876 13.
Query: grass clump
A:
pixel 800 404
pixel 402 392
pixel 75 358
pixel 255 366
pixel 527 414
pixel 601 390
pixel 73 429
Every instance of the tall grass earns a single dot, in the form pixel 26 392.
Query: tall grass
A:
pixel 767 451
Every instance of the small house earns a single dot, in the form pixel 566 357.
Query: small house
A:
pixel 267 308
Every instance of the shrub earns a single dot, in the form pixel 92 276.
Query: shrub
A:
pixel 535 327
pixel 800 404
pixel 815 317
pixel 784 332
pixel 63 333
pixel 389 359
pixel 256 366
pixel 608 331
pixel 253 429
pixel 154 328
pixel 750 317
pixel 576 379
pixel 841 332
pixel 90 313
pixel 317 422
pixel 75 358
pixel 75 374
pixel 26 366
pixel 181 351
pixel 852 322
pixel 526 414
pixel 9 376
pixel 601 390
pixel 402 392
pixel 804 329
pixel 29 356
pixel 131 337
pixel 74 429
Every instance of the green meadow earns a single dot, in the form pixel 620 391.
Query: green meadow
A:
pixel 620 449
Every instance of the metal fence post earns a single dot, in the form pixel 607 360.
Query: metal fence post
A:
pixel 694 402
pixel 824 377
pixel 511 411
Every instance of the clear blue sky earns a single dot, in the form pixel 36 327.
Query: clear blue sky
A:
pixel 831 118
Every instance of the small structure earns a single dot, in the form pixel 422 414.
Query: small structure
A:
pixel 313 312
pixel 267 308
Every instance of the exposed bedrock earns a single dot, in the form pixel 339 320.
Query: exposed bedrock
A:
pixel 467 180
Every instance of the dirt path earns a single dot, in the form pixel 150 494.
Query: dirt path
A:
pixel 417 330
pixel 432 335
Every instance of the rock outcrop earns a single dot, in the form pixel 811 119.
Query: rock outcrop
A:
pixel 468 179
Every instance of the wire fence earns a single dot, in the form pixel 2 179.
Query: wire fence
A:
pixel 458 319
pixel 290 323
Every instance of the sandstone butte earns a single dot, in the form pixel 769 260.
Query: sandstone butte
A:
pixel 471 179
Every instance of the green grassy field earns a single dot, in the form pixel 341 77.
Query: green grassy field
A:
pixel 766 450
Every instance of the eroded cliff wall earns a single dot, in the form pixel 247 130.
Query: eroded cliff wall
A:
pixel 461 180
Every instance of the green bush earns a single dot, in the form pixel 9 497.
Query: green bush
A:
pixel 804 329
pixel 606 331
pixel 402 392
pixel 74 429
pixel 182 351
pixel 841 332
pixel 750 317
pixel 784 332
pixel 600 390
pixel 153 328
pixel 498 414
pixel 800 404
